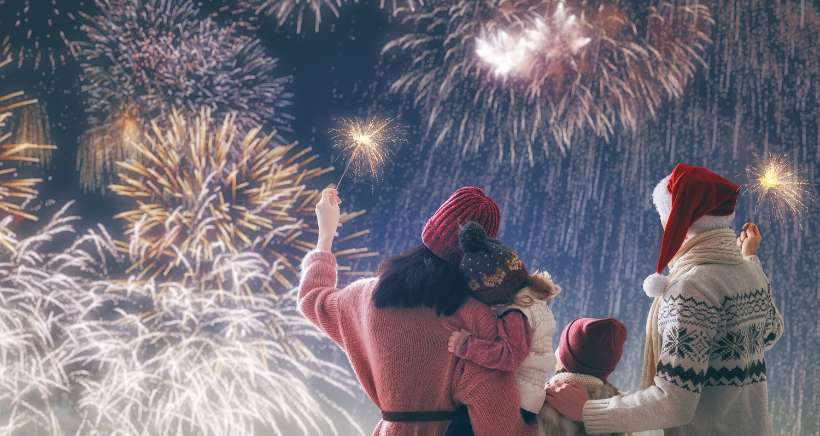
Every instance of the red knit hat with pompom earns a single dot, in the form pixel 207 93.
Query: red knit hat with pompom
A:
pixel 592 346
pixel 440 234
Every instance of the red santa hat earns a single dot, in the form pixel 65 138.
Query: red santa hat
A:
pixel 690 200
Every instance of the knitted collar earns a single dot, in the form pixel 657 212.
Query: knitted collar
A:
pixel 716 246
pixel 576 379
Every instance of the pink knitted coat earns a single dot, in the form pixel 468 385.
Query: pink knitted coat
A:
pixel 400 355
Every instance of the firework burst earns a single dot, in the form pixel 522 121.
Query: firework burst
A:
pixel 41 291
pixel 203 189
pixel 15 192
pixel 365 144
pixel 525 74
pixel 141 58
pixel 297 11
pixel 172 360
pixel 774 182
pixel 35 30
pixel 32 129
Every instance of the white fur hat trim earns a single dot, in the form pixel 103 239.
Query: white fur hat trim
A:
pixel 662 199
pixel 655 285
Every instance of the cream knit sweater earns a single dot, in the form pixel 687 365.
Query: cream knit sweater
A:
pixel 715 321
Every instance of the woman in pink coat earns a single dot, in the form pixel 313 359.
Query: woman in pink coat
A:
pixel 394 328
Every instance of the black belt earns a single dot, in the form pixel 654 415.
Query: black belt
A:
pixel 422 416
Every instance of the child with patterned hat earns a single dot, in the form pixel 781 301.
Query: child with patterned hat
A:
pixel 498 278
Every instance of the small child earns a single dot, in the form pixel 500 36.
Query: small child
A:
pixel 498 278
pixel 588 351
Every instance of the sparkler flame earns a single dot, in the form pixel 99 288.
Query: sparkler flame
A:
pixel 775 182
pixel 365 144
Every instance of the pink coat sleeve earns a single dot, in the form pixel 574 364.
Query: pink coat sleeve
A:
pixel 318 295
pixel 491 396
pixel 506 351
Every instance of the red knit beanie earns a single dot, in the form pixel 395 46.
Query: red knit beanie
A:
pixel 440 234
pixel 592 346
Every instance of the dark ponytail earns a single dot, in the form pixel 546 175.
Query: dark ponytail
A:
pixel 419 278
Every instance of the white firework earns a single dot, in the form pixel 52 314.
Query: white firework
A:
pixel 169 359
pixel 529 74
pixel 41 291
pixel 515 54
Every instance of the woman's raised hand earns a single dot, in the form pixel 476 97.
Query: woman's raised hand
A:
pixel 749 240
pixel 328 215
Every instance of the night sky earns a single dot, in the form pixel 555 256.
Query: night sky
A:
pixel 585 213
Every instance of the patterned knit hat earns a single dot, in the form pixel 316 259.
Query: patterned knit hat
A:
pixel 440 233
pixel 495 272
pixel 592 346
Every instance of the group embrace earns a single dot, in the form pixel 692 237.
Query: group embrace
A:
pixel 455 336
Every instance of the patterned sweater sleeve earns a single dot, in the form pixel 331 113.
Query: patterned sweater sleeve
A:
pixel 774 319
pixel 687 322
pixel 504 353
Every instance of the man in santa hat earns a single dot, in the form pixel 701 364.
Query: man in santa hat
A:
pixel 712 318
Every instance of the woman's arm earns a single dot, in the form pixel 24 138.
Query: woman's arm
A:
pixel 318 295
pixel 505 352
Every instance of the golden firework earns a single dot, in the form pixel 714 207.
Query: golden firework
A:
pixel 102 147
pixel 32 128
pixel 775 182
pixel 15 192
pixel 364 142
pixel 205 190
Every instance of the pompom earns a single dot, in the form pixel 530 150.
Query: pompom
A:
pixel 472 237
pixel 655 285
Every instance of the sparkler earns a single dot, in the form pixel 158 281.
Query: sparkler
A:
pixel 530 73
pixel 365 144
pixel 140 59
pixel 775 182
pixel 203 189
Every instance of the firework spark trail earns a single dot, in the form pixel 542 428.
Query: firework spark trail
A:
pixel 618 79
pixel 201 360
pixel 774 182
pixel 297 11
pixel 41 290
pixel 34 31
pixel 203 187
pixel 141 59
pixel 15 192
pixel 365 143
